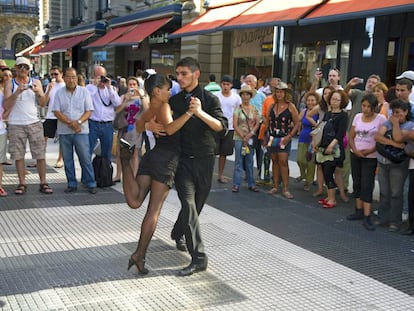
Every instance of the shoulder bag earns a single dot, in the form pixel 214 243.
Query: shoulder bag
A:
pixel 120 121
pixel 394 154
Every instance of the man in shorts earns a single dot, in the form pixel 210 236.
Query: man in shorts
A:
pixel 21 96
pixel 225 144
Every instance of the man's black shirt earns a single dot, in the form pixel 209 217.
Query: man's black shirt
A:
pixel 197 138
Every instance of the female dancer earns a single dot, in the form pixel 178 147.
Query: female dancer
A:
pixel 157 168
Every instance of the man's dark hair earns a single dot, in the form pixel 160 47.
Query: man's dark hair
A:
pixel 69 69
pixel 405 81
pixel 56 68
pixel 189 62
pixel 212 78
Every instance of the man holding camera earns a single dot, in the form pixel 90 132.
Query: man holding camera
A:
pixel 21 96
pixel 105 99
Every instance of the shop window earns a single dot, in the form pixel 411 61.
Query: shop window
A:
pixel 306 58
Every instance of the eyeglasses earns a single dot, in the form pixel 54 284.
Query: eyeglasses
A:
pixel 23 66
pixel 54 74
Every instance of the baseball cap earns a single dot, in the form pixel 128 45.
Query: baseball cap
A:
pixel 22 60
pixel 409 74
pixel 227 78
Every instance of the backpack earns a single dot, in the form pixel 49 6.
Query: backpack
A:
pixel 103 170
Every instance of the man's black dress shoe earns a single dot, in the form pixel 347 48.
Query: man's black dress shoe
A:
pixel 194 268
pixel 180 244
pixel 408 232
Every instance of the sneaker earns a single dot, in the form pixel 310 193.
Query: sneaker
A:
pixel 357 215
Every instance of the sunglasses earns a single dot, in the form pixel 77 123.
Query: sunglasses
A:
pixel 54 74
pixel 23 66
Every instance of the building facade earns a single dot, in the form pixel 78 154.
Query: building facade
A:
pixel 18 27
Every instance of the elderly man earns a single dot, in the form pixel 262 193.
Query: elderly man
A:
pixel 105 98
pixel 72 107
pixel 21 96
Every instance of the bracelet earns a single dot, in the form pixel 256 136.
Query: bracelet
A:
pixel 189 114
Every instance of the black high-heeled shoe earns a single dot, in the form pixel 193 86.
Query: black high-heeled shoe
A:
pixel 142 269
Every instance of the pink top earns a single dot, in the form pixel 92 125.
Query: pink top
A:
pixel 365 132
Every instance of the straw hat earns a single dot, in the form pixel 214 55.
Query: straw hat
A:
pixel 281 86
pixel 3 64
pixel 248 89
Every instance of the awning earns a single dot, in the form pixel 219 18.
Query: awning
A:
pixel 110 36
pixel 63 44
pixel 271 13
pixel 339 10
pixel 211 20
pixel 32 50
pixel 139 32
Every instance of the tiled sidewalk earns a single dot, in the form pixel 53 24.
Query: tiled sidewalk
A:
pixel 70 252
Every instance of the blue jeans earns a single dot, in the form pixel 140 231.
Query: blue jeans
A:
pixel 238 165
pixel 81 144
pixel 391 178
pixel 105 132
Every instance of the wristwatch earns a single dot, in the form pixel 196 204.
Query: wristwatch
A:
pixel 79 122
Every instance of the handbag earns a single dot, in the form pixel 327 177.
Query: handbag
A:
pixel 316 134
pixel 120 121
pixel 394 154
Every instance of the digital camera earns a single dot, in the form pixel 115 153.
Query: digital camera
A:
pixel 105 79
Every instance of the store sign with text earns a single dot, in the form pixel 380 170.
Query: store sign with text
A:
pixel 251 42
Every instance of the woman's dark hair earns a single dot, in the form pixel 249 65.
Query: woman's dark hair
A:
pixel 390 96
pixel 344 98
pixel 155 80
pixel 323 105
pixel 372 100
pixel 400 104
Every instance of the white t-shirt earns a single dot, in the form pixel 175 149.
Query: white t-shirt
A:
pixel 24 111
pixel 228 104
pixel 58 85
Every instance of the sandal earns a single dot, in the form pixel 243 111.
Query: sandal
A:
pixel 44 188
pixel 254 189
pixel 235 189
pixel 222 180
pixel 273 191
pixel 3 192
pixel 21 189
pixel 287 194
pixel 58 165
